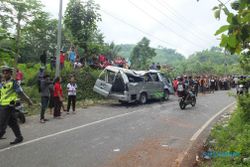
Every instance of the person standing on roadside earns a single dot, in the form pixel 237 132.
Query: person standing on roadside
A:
pixel 8 96
pixel 40 77
pixel 212 84
pixel 51 97
pixel 58 98
pixel 19 76
pixel 62 59
pixel 43 58
pixel 52 62
pixel 45 94
pixel 72 56
pixel 71 87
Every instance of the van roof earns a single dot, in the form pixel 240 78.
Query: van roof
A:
pixel 127 71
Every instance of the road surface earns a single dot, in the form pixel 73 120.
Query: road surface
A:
pixel 114 135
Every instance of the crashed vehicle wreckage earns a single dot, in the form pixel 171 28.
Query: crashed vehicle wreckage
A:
pixel 129 86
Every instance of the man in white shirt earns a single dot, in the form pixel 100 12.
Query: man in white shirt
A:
pixel 71 87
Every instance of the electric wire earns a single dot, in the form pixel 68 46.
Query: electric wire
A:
pixel 191 42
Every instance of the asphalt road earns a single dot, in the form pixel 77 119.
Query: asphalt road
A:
pixel 112 135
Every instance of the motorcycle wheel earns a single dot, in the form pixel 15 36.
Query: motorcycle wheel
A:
pixel 193 101
pixel 182 105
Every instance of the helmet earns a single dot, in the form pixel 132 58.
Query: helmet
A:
pixel 7 68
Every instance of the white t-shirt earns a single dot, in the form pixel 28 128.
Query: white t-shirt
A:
pixel 72 89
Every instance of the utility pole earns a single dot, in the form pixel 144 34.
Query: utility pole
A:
pixel 59 40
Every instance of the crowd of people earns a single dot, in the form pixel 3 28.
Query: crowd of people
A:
pixel 207 84
pixel 96 61
pixel 51 92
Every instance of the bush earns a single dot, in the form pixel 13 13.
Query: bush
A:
pixel 235 137
pixel 85 79
pixel 244 107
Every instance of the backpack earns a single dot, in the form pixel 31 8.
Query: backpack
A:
pixel 180 87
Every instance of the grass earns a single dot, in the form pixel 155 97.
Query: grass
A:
pixel 233 136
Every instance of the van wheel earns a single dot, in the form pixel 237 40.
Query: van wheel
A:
pixel 143 98
pixel 166 95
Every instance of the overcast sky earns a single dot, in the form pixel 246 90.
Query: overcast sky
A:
pixel 185 25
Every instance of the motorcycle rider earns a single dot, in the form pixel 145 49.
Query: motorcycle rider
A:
pixel 8 96
pixel 180 86
pixel 196 86
pixel 243 81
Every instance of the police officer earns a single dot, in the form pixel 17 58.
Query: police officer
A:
pixel 8 95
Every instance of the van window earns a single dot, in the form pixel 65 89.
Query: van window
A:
pixel 147 78
pixel 110 77
pixel 155 77
pixel 102 75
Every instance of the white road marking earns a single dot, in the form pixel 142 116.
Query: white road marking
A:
pixel 69 130
pixel 194 137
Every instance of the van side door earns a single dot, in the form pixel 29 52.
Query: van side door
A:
pixel 157 86
pixel 104 83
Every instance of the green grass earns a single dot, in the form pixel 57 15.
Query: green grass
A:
pixel 233 138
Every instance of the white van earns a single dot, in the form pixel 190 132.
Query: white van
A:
pixel 132 86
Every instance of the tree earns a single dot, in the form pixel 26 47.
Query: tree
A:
pixel 18 12
pixel 236 35
pixel 142 54
pixel 112 50
pixel 81 20
pixel 38 35
pixel 6 44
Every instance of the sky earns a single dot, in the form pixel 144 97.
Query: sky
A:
pixel 187 26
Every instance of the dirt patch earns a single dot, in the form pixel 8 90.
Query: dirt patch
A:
pixel 178 122
pixel 150 153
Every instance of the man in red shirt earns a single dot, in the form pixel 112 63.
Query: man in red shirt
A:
pixel 19 76
pixel 62 59
pixel 58 98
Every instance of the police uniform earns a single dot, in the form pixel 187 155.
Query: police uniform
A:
pixel 8 96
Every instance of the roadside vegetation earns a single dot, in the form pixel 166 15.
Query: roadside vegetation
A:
pixel 231 136
pixel 234 134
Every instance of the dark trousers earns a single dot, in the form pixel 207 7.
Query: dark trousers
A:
pixel 57 107
pixel 44 102
pixel 71 99
pixel 8 117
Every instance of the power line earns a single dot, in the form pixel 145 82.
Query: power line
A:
pixel 174 21
pixel 177 14
pixel 194 44
pixel 138 29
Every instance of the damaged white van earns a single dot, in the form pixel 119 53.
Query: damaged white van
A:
pixel 132 86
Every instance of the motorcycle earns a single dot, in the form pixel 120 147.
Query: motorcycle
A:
pixel 20 112
pixel 241 89
pixel 187 99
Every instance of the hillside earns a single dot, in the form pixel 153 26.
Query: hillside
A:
pixel 164 55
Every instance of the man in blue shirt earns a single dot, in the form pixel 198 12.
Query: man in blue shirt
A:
pixel 72 55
